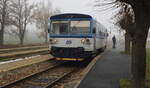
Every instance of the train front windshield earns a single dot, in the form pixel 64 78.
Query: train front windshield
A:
pixel 70 27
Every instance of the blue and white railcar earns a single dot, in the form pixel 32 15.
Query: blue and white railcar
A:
pixel 75 36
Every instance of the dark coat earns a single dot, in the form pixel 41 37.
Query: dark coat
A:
pixel 114 39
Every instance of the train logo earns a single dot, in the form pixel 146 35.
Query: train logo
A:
pixel 68 42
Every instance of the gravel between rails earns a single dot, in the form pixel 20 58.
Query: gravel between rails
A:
pixel 52 76
pixel 44 79
pixel 20 73
pixel 74 79
pixel 70 81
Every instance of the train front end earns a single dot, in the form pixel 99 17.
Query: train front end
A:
pixel 70 37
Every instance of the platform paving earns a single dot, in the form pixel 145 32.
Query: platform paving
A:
pixel 108 70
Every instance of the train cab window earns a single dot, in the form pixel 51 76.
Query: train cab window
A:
pixel 79 27
pixel 59 28
pixel 63 28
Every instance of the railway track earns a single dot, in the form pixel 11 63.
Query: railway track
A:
pixel 49 78
pixel 44 79
pixel 22 52
pixel 21 49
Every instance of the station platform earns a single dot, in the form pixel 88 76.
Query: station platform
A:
pixel 108 70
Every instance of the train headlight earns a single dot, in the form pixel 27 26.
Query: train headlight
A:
pixel 85 41
pixel 53 41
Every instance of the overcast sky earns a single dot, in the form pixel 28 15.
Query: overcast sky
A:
pixel 81 6
pixel 86 7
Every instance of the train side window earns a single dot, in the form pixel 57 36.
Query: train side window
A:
pixel 94 30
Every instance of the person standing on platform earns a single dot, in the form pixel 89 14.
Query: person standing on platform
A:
pixel 114 41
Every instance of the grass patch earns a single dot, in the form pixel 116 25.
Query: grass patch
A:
pixel 123 52
pixel 127 83
pixel 148 64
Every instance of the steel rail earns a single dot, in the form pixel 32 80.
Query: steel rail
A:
pixel 21 48
pixel 51 84
pixel 26 77
pixel 11 54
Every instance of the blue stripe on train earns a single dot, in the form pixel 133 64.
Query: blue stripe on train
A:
pixel 71 36
pixel 58 19
pixel 76 36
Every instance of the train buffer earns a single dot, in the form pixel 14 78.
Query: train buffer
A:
pixel 108 70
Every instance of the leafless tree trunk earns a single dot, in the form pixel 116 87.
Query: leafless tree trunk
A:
pixel 141 11
pixel 2 34
pixel 127 42
pixel 3 13
pixel 138 62
pixel 139 46
pixel 21 14
pixel 41 17
pixel 46 31
pixel 125 20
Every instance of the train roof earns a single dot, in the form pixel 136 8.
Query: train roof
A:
pixel 70 16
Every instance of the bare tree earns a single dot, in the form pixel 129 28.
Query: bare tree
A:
pixel 20 17
pixel 125 19
pixel 56 11
pixel 41 17
pixel 141 11
pixel 3 18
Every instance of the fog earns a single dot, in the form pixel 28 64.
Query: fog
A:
pixel 31 36
pixel 69 6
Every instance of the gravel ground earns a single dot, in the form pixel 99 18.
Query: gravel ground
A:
pixel 73 80
pixel 70 81
pixel 13 75
pixel 43 79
